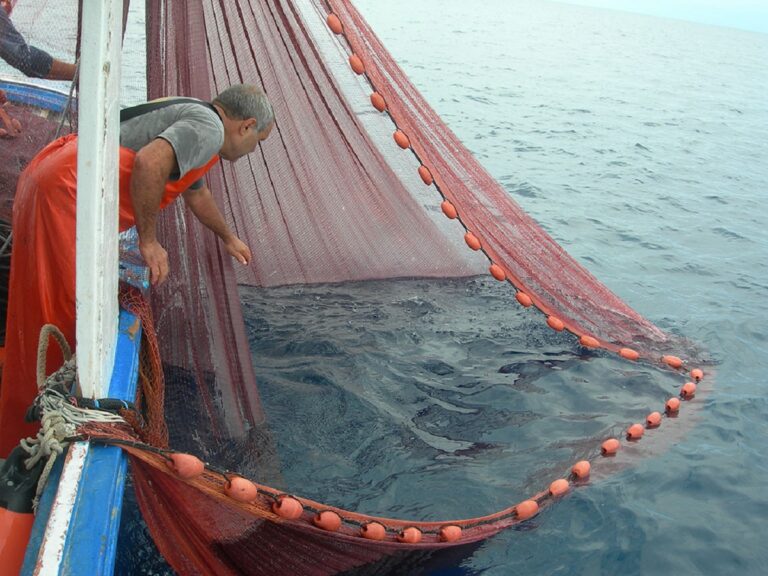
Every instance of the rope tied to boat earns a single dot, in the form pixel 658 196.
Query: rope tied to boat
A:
pixel 59 416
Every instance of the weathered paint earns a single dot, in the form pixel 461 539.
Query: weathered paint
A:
pixel 97 194
pixel 52 548
pixel 76 526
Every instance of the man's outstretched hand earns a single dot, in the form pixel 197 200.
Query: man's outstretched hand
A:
pixel 156 259
pixel 238 250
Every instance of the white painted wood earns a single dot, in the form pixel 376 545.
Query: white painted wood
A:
pixel 97 193
pixel 97 249
pixel 52 547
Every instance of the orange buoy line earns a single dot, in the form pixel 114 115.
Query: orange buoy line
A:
pixel 282 507
pixel 379 103
pixel 580 471
pixel 496 270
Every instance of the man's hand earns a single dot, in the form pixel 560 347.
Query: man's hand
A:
pixel 10 127
pixel 238 249
pixel 156 259
pixel 201 202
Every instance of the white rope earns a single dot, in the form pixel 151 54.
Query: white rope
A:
pixel 59 421
pixel 59 417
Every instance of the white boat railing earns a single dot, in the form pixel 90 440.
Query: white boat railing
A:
pixel 97 194
pixel 76 528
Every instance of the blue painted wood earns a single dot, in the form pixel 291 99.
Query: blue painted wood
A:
pixel 41 518
pixel 32 95
pixel 92 536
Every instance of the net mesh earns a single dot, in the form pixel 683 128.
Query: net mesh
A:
pixel 329 197
pixel 32 111
pixel 35 105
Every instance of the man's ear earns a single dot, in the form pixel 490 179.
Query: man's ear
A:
pixel 249 123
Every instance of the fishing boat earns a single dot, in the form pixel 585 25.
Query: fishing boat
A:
pixel 362 181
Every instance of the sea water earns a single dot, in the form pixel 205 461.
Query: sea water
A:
pixel 641 145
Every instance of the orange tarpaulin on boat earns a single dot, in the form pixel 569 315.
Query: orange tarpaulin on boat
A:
pixel 42 282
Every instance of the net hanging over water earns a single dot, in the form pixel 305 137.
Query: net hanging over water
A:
pixel 360 180
pixel 332 196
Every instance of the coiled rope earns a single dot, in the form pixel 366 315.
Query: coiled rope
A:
pixel 59 418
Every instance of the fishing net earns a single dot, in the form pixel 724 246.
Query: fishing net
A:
pixel 333 196
pixel 32 112
pixel 359 184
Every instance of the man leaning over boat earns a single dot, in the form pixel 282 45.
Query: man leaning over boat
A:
pixel 166 147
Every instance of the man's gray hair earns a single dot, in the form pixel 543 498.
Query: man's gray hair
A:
pixel 243 101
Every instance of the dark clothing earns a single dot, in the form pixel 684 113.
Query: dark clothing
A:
pixel 32 61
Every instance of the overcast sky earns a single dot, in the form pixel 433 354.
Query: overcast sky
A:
pixel 745 14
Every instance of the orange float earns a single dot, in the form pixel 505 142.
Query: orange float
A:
pixel 401 139
pixel 559 487
pixel 497 272
pixel 672 361
pixel 589 341
pixel 185 465
pixel 555 323
pixel 449 210
pixel 450 533
pixel 653 420
pixel 426 175
pixel 17 490
pixel 610 447
pixel 629 354
pixel 241 489
pixel 357 64
pixel 327 520
pixel 697 374
pixel 410 535
pixel 581 469
pixel 378 102
pixel 373 531
pixel 287 507
pixel 688 390
pixel 334 24
pixel 672 406
pixel 526 509
pixel 15 529
pixel 472 241
pixel 635 432
pixel 524 299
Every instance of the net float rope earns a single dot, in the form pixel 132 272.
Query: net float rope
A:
pixel 237 492
pixel 497 270
pixel 278 506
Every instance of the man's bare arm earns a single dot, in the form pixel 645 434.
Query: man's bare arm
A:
pixel 203 206
pixel 153 166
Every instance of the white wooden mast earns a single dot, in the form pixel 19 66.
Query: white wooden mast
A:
pixel 97 194
pixel 96 281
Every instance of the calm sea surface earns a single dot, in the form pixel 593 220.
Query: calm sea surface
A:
pixel 641 145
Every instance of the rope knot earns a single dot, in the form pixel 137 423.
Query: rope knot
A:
pixel 59 417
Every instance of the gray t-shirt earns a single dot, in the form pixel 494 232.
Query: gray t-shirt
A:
pixel 194 131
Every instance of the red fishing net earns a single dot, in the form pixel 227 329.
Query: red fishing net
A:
pixel 329 197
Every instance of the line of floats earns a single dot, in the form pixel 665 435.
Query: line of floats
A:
pixel 287 507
